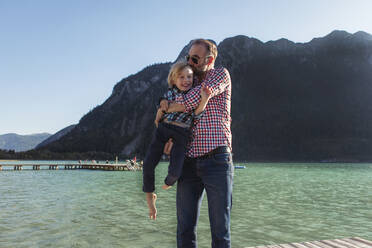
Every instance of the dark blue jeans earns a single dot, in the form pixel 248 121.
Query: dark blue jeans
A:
pixel 215 175
pixel 163 133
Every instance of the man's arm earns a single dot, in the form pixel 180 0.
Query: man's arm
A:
pixel 205 96
pixel 175 107
pixel 163 104
pixel 218 83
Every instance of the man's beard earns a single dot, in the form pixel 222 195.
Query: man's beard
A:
pixel 197 72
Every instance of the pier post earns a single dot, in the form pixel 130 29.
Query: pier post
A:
pixel 1 167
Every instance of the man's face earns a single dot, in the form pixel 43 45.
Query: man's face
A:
pixel 198 59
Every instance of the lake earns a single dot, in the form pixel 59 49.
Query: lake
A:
pixel 272 203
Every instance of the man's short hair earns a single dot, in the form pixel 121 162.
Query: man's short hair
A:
pixel 210 46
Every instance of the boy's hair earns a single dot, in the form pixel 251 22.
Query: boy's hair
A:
pixel 210 46
pixel 175 70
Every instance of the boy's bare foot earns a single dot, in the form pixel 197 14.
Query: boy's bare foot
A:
pixel 166 186
pixel 151 200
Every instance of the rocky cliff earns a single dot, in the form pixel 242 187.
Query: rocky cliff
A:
pixel 290 102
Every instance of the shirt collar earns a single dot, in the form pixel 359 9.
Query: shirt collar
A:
pixel 178 91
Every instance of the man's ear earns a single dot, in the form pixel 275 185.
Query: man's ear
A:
pixel 210 60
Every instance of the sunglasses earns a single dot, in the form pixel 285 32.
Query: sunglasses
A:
pixel 193 59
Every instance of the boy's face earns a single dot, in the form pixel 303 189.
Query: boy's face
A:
pixel 184 79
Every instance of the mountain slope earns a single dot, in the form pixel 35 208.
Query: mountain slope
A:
pixel 290 101
pixel 56 136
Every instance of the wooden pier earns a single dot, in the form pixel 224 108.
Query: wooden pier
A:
pixel 355 242
pixel 77 166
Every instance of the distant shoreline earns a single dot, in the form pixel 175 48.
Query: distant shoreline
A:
pixel 234 161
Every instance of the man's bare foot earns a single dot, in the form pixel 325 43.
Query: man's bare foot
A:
pixel 151 200
pixel 166 186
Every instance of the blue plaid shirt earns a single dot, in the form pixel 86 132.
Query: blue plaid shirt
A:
pixel 171 95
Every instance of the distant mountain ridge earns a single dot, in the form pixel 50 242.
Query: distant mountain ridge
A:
pixel 290 102
pixel 12 141
pixel 56 136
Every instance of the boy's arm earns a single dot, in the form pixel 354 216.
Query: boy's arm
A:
pixel 159 114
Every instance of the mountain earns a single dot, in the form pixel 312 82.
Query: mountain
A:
pixel 55 136
pixel 290 102
pixel 12 141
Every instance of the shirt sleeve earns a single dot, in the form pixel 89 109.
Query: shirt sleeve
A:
pixel 165 96
pixel 218 82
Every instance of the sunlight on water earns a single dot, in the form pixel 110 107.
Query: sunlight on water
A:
pixel 272 203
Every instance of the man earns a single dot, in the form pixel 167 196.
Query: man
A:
pixel 208 164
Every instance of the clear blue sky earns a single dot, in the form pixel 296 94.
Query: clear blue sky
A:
pixel 60 59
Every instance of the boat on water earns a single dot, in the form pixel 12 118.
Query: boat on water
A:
pixel 239 166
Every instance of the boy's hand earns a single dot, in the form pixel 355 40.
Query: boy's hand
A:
pixel 159 114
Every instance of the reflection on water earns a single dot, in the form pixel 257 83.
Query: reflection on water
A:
pixel 272 203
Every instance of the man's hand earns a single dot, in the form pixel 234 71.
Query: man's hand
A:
pixel 164 105
pixel 205 92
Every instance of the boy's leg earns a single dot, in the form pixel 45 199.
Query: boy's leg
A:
pixel 152 158
pixel 189 198
pixel 180 138
pixel 151 203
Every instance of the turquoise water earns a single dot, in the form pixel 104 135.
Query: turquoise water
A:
pixel 272 203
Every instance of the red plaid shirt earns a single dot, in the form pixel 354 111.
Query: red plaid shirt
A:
pixel 213 128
